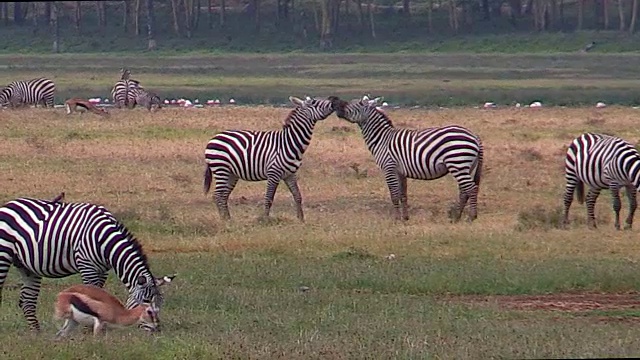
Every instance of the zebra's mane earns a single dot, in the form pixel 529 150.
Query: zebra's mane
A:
pixel 380 116
pixel 135 244
pixel 287 121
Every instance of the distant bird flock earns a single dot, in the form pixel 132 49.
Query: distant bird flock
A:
pixel 53 239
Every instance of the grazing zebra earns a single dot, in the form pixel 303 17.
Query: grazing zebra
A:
pixel 263 155
pixel 145 98
pixel 426 154
pixel 31 92
pixel 601 162
pixel 54 239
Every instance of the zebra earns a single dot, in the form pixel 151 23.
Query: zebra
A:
pixel 263 155
pixel 31 92
pixel 426 154
pixel 123 91
pixel 601 162
pixel 55 239
pixel 145 98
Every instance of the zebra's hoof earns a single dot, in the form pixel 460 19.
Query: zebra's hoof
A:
pixel 627 227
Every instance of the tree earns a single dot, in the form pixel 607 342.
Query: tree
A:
pixel 151 26
pixel 18 16
pixel 126 16
pixel 78 15
pixel 55 22
pixel 634 16
pixel 621 16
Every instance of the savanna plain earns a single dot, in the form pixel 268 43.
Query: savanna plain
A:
pixel 510 285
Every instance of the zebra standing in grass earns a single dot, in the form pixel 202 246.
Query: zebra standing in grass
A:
pixel 601 162
pixel 263 155
pixel 123 92
pixel 145 98
pixel 54 239
pixel 426 154
pixel 31 92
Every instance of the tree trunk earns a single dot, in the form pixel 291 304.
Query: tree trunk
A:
pixel 406 8
pixel 359 14
pixel 634 16
pixel 188 17
pixel 151 26
pixel 55 21
pixel 623 23
pixel 430 16
pixel 126 16
pixel 137 16
pixel 174 8
pixel 223 13
pixel 371 20
pixel 453 16
pixel 5 12
pixel 580 14
pixel 256 14
pixel 18 18
pixel 605 13
pixel 210 12
pixel 47 11
pixel 78 15
pixel 486 10
pixel 196 13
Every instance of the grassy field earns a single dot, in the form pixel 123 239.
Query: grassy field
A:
pixel 509 285
pixel 407 79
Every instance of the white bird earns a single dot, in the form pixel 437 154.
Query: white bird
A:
pixel 232 101
pixel 600 105
pixel 536 104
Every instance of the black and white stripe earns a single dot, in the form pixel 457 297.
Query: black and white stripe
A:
pixel 146 99
pixel 54 239
pixel 426 154
pixel 263 155
pixel 601 162
pixel 124 92
pixel 31 92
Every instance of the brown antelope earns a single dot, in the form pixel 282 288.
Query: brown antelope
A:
pixel 72 104
pixel 93 306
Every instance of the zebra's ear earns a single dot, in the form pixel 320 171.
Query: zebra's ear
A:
pixel 165 279
pixel 376 101
pixel 296 101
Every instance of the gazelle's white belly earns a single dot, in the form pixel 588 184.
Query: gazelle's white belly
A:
pixel 82 318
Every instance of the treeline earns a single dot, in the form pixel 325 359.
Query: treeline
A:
pixel 321 22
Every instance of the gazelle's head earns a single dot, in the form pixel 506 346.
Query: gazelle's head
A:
pixel 149 319
pixel 357 111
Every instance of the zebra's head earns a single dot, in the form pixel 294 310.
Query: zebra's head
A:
pixel 147 290
pixel 357 111
pixel 125 74
pixel 312 109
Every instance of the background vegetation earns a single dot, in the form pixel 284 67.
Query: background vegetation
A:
pixel 319 25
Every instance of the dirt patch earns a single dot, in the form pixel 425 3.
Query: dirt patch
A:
pixel 558 302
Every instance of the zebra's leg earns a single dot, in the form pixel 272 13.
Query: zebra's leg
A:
pixel 569 190
pixel 292 184
pixel 5 264
pixel 467 189
pixel 633 205
pixel 225 183
pixel 617 204
pixel 395 192
pixel 29 297
pixel 592 197
pixel 403 197
pixel 272 185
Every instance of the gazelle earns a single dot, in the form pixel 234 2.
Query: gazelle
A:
pixel 93 306
pixel 74 103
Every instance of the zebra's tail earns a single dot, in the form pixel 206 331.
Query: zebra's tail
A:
pixel 478 175
pixel 580 192
pixel 207 179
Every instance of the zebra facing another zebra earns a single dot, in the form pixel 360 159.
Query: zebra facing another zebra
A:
pixel 263 155
pixel 53 239
pixel 32 92
pixel 426 154
pixel 600 162
pixel 127 93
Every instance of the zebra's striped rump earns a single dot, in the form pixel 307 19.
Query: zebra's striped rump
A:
pixel 32 92
pixel 426 154
pixel 600 161
pixel 263 155
pixel 55 239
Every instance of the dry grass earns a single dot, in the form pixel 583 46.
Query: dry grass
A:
pixel 238 291
pixel 148 167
